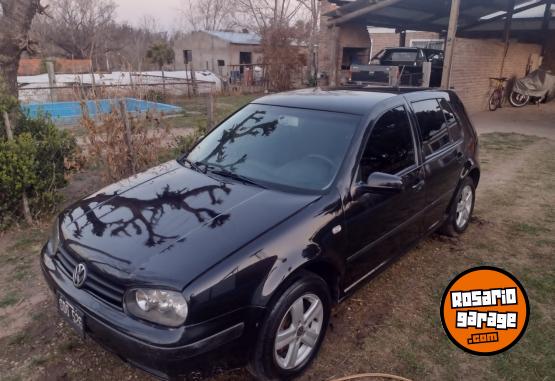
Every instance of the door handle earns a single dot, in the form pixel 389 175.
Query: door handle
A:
pixel 419 186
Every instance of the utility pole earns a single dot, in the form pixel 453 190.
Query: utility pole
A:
pixel 507 34
pixel 450 43
pixel 545 25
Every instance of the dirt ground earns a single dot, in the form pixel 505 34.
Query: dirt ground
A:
pixel 391 325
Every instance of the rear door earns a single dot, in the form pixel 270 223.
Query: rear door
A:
pixel 443 158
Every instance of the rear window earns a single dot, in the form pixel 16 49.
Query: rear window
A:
pixel 432 125
pixel 403 56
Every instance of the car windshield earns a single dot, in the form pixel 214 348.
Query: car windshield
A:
pixel 271 145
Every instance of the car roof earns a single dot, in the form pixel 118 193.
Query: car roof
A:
pixel 355 100
pixel 402 48
pixel 341 100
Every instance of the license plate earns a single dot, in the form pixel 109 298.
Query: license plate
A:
pixel 73 315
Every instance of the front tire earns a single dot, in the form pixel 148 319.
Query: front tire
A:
pixel 293 330
pixel 461 209
pixel 518 100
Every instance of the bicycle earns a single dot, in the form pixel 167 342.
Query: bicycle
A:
pixel 496 98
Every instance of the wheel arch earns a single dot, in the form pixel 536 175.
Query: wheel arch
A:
pixel 329 273
pixel 474 174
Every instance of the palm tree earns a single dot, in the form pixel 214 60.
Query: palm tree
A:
pixel 161 54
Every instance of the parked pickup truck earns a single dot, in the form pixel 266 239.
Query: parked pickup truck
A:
pixel 409 61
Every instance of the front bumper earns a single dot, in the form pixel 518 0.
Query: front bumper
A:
pixel 160 351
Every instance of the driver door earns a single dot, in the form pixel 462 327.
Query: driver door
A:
pixel 382 223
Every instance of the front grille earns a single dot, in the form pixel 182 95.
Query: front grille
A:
pixel 95 284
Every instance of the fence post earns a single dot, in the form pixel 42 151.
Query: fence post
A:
pixel 426 74
pixel 194 80
pixel 8 125
pixel 128 137
pixel 394 79
pixel 210 110
pixel 24 199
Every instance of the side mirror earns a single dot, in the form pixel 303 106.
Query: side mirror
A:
pixel 379 182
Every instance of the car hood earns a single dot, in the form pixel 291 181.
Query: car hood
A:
pixel 170 224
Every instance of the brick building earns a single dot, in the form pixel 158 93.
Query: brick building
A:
pixel 36 66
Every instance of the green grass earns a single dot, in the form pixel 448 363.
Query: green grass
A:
pixel 70 345
pixel 505 143
pixel 18 339
pixel 545 243
pixel 39 360
pixel 528 229
pixel 533 357
pixel 9 300
pixel 196 109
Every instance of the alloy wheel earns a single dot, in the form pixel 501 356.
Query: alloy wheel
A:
pixel 299 331
pixel 464 206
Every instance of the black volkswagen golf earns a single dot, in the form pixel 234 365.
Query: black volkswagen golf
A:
pixel 249 239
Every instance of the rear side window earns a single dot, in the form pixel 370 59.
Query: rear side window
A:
pixel 432 125
pixel 390 148
pixel 452 122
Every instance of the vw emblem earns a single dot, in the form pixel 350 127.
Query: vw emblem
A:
pixel 79 275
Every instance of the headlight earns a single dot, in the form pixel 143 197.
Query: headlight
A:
pixel 54 241
pixel 163 307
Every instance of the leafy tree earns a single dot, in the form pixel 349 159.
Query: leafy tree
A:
pixel 161 54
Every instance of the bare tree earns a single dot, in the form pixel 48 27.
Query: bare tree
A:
pixel 313 8
pixel 79 27
pixel 208 14
pixel 268 13
pixel 16 17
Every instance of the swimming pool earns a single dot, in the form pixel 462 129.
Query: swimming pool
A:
pixel 69 111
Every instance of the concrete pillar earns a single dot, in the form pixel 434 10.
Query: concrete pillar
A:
pixel 51 78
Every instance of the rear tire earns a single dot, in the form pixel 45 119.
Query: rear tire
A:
pixel 518 100
pixel 460 212
pixel 300 316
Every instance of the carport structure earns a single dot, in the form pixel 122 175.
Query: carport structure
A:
pixel 482 38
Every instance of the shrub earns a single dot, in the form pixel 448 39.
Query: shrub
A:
pixel 32 164
pixel 184 143
pixel 123 144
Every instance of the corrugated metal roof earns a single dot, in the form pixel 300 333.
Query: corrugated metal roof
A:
pixel 237 38
pixel 426 15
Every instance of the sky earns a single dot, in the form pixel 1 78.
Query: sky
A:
pixel 164 11
pixel 167 15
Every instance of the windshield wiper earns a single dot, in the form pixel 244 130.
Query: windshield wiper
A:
pixel 235 176
pixel 194 165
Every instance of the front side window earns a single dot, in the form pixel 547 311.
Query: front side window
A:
pixel 432 125
pixel 390 148
pixel 289 147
